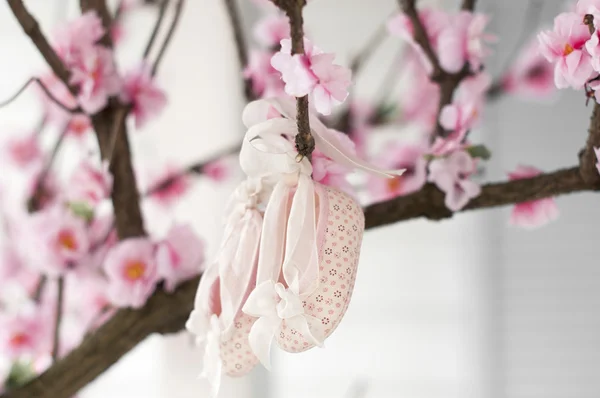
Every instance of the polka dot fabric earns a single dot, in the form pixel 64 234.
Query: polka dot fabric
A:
pixel 339 253
pixel 236 354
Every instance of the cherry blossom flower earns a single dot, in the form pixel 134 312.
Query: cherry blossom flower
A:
pixel 140 90
pixel 462 41
pixel 328 172
pixel 169 186
pixel 271 29
pixel 90 183
pixel 266 81
pixel 58 240
pixel 179 256
pixel 400 156
pixel 131 272
pixel 530 75
pixel 564 47
pixel 312 73
pixel 584 7
pixel 419 101
pixel 535 213
pixel 78 35
pixel 26 333
pixel 79 126
pixel 434 21
pixel 451 174
pixel 217 170
pixel 96 76
pixel 24 150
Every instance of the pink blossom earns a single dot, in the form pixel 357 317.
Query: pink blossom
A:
pixel 451 174
pixel 169 186
pixel 400 156
pixel 584 7
pixel 564 47
pixel 434 21
pixel 44 186
pixel 102 237
pixel 266 81
pixel 535 213
pixel 462 41
pixel 419 101
pixel 77 36
pixel 86 297
pixel 217 170
pixel 271 29
pixel 140 90
pixel 24 150
pixel 14 270
pixel 328 172
pixel 90 183
pixel 79 126
pixel 25 334
pixel 58 240
pixel 179 256
pixel 314 74
pixel 531 74
pixel 97 78
pixel 131 272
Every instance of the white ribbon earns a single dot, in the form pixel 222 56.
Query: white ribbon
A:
pixel 273 304
pixel 255 113
pixel 208 331
pixel 237 256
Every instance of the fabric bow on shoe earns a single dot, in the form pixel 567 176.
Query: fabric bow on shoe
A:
pixel 273 304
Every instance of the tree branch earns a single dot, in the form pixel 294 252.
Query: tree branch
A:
pixel 161 17
pixel 46 91
pixel 58 319
pixel 240 43
pixel 170 33
pixel 32 29
pixel 468 5
pixel 588 160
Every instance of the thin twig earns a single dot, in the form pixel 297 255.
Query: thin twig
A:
pixel 240 44
pixel 41 125
pixel 468 5
pixel 170 33
pixel 368 48
pixel 46 91
pixel 161 16
pixel 38 191
pixel 39 289
pixel 57 323
pixel 195 168
pixel 32 29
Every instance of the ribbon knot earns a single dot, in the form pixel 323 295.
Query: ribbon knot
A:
pixel 273 304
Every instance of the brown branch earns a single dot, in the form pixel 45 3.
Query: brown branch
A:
pixel 240 43
pixel 58 320
pixel 421 37
pixel 161 16
pixel 35 202
pixel 468 5
pixel 163 313
pixel 32 29
pixel 588 160
pixel 429 202
pixel 45 90
pixel 305 143
pixel 39 289
pixel 102 10
pixel 170 33
pixel 195 168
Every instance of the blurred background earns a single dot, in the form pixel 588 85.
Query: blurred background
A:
pixel 467 307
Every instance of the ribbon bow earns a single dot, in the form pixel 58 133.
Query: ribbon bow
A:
pixel 273 304
pixel 208 333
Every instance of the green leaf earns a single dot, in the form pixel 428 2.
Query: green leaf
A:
pixel 20 373
pixel 83 210
pixel 479 151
